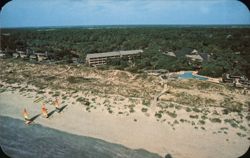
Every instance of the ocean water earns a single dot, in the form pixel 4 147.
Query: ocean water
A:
pixel 36 141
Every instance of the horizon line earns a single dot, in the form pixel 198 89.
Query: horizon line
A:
pixel 96 25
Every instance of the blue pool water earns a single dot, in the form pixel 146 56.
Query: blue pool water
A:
pixel 189 75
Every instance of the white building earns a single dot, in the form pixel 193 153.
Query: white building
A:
pixel 102 58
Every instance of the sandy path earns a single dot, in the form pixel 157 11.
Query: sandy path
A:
pixel 146 132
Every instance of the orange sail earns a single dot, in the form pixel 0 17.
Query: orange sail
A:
pixel 44 111
pixel 56 103
pixel 25 114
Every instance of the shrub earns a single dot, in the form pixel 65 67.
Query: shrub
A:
pixel 64 97
pixel 224 128
pixel 146 102
pixel 144 109
pixel 72 79
pixel 171 105
pixel 172 114
pixel 194 116
pixel 248 117
pixel 231 122
pixel 225 111
pixel 216 120
pixel 243 128
pixel 202 122
pixel 2 90
pixel 40 92
pixel 56 94
pixel 168 156
pixel 158 115
pixel 131 110
pixel 231 106
pixel 176 122
pixel 211 69
pixel 203 117
pixel 83 101
pixel 196 109
pixel 240 134
pixel 182 120
pixel 50 92
pixel 178 107
pixel 188 109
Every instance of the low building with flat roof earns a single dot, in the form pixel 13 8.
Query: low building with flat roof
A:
pixel 2 55
pixel 41 56
pixel 195 57
pixel 97 59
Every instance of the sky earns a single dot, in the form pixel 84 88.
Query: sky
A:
pixel 29 13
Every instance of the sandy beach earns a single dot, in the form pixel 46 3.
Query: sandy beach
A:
pixel 185 118
pixel 146 132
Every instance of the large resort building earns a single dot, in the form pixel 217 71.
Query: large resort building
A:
pixel 97 59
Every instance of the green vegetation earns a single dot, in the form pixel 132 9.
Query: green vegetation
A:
pixel 225 111
pixel 182 120
pixel 144 109
pixel 216 120
pixel 195 109
pixel 56 94
pixel 179 84
pixel 248 117
pixel 146 102
pixel 194 116
pixel 188 109
pixel 176 122
pixel 209 85
pixel 243 128
pixel 178 107
pixel 224 128
pixel 231 106
pixel 158 114
pixel 240 134
pixel 188 99
pixel 202 122
pixel 203 117
pixel 172 114
pixel 110 111
pixel 64 97
pixel 73 79
pixel 232 122
pixel 83 100
pixel 131 108
pixel 220 43
pixel 40 92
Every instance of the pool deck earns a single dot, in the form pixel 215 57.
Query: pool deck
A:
pixel 215 80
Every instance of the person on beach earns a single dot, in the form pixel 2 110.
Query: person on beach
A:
pixel 57 105
pixel 26 116
pixel 44 111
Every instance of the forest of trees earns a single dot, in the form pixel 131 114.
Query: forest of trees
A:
pixel 229 47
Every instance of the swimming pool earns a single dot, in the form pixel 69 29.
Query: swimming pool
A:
pixel 189 75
